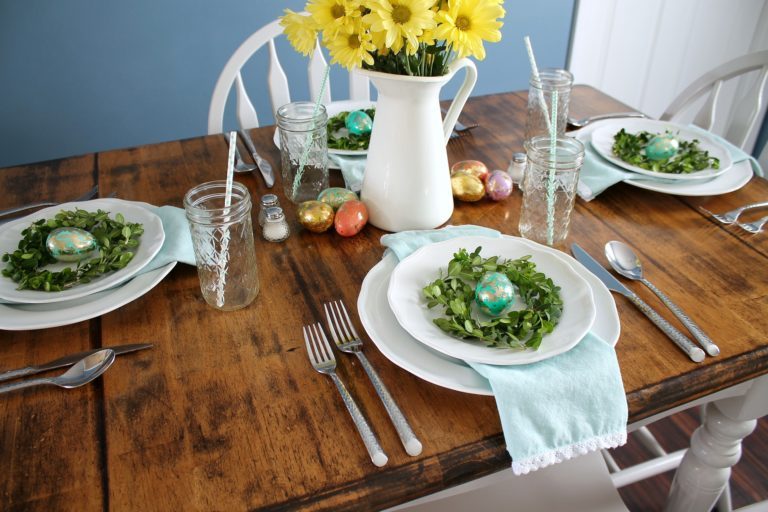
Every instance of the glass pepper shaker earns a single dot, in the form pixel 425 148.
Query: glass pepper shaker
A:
pixel 275 227
pixel 517 168
pixel 267 201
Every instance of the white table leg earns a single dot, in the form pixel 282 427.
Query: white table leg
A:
pixel 715 448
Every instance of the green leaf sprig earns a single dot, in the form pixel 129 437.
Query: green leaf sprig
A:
pixel 525 328
pixel 338 139
pixel 630 147
pixel 116 239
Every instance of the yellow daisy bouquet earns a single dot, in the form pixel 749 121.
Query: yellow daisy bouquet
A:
pixel 404 37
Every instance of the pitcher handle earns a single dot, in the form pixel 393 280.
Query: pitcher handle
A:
pixel 461 97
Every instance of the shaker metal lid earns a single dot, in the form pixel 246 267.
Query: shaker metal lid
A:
pixel 275 213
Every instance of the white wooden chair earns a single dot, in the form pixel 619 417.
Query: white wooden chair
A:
pixel 743 120
pixel 279 92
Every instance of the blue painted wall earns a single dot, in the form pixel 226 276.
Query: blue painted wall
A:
pixel 87 75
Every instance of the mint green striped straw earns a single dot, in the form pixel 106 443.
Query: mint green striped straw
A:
pixel 308 143
pixel 552 167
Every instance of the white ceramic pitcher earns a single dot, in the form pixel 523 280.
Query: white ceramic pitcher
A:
pixel 407 184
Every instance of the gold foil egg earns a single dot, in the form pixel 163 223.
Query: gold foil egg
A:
pixel 336 196
pixel 473 167
pixel 71 244
pixel 467 187
pixel 316 216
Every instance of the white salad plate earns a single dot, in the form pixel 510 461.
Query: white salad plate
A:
pixel 149 245
pixel 416 358
pixel 428 263
pixel 333 108
pixel 19 317
pixel 737 176
pixel 602 141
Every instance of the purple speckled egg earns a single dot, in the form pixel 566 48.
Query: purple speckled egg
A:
pixel 499 185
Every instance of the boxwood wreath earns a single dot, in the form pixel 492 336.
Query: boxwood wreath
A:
pixel 115 237
pixel 524 328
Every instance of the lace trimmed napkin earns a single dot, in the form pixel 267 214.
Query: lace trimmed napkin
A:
pixel 597 174
pixel 555 409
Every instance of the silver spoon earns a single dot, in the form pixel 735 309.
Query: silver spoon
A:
pixel 625 262
pixel 240 165
pixel 82 372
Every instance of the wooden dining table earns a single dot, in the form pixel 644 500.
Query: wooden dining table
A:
pixel 225 411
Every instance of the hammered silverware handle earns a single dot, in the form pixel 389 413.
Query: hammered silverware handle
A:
pixel 700 336
pixel 13 386
pixel 407 437
pixel 680 339
pixel 15 374
pixel 377 455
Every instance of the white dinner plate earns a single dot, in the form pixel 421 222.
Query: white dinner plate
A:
pixel 602 141
pixel 738 176
pixel 333 108
pixel 22 317
pixel 424 266
pixel 149 245
pixel 416 358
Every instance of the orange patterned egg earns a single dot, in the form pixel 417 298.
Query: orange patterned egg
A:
pixel 316 216
pixel 467 187
pixel 473 167
pixel 351 218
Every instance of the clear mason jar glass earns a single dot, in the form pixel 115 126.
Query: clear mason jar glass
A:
pixel 303 142
pixel 549 188
pixel 537 122
pixel 222 238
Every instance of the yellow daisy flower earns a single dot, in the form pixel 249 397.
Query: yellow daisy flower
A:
pixel 466 23
pixel 333 15
pixel 351 48
pixel 401 20
pixel 300 30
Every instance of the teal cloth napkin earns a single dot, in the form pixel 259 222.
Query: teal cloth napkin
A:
pixel 352 169
pixel 177 245
pixel 597 174
pixel 555 409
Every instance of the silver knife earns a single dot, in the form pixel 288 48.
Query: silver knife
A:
pixel 681 340
pixel 69 361
pixel 264 166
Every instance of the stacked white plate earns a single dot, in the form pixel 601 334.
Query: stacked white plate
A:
pixel 728 177
pixel 397 320
pixel 30 309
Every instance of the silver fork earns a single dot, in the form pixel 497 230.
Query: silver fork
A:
pixel 321 357
pixel 240 165
pixel 733 215
pixel 347 340
pixel 754 227
pixel 10 211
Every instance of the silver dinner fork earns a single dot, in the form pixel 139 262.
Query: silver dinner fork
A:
pixel 754 227
pixel 10 211
pixel 733 215
pixel 347 340
pixel 322 359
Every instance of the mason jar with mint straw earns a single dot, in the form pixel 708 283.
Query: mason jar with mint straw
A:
pixel 222 238
pixel 540 93
pixel 303 149
pixel 549 188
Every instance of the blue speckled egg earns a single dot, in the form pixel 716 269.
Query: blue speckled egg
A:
pixel 494 293
pixel 71 244
pixel 358 122
pixel 662 147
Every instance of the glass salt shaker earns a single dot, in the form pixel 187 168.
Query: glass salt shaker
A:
pixel 517 168
pixel 267 201
pixel 275 227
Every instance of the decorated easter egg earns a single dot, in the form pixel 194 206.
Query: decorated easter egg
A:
pixel 494 293
pixel 316 216
pixel 358 122
pixel 351 218
pixel 336 196
pixel 662 147
pixel 473 167
pixel 467 187
pixel 499 185
pixel 71 244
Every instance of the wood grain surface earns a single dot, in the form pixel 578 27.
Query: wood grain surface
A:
pixel 226 413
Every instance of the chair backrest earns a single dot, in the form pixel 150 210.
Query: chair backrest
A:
pixel 744 115
pixel 276 79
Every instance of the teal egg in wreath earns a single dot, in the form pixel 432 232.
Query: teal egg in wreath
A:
pixel 662 147
pixel 358 122
pixel 71 244
pixel 494 293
